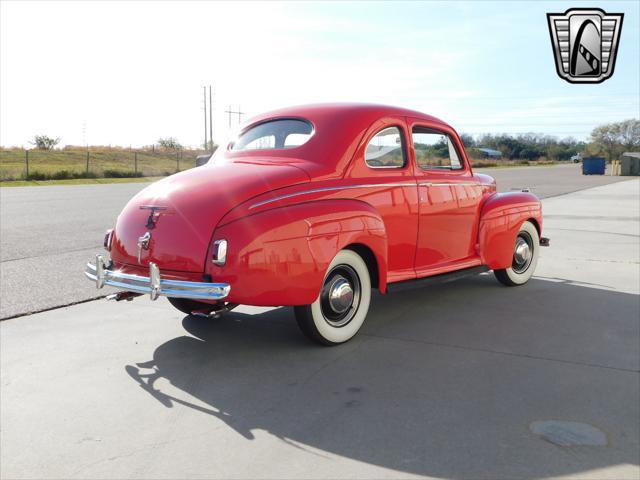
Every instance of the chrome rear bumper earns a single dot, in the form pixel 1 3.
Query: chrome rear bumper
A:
pixel 153 284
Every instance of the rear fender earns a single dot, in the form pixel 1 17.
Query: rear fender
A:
pixel 500 220
pixel 280 256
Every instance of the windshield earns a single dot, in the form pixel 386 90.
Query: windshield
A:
pixel 274 134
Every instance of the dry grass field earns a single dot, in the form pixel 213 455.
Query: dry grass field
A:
pixel 71 163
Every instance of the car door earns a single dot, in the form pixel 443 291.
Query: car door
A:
pixel 449 199
pixel 382 176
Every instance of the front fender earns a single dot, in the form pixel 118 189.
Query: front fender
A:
pixel 500 220
pixel 280 256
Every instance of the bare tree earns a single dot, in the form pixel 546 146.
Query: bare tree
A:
pixel 607 137
pixel 615 138
pixel 630 134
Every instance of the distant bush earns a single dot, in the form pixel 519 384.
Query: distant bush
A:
pixel 69 175
pixel 483 163
pixel 112 173
pixel 59 175
pixel 43 142
pixel 169 143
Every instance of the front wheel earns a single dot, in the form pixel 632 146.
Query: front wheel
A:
pixel 343 303
pixel 525 257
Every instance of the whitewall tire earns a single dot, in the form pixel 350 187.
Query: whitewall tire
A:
pixel 525 257
pixel 340 309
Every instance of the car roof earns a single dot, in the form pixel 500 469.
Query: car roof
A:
pixel 338 129
pixel 367 112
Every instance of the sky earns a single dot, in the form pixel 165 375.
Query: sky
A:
pixel 129 73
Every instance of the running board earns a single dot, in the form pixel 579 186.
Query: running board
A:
pixel 434 279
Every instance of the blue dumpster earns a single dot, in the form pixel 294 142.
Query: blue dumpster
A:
pixel 593 166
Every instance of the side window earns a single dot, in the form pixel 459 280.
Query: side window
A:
pixel 435 150
pixel 386 149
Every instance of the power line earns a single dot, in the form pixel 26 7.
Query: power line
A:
pixel 232 112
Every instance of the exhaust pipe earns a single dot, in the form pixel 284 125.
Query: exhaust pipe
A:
pixel 128 296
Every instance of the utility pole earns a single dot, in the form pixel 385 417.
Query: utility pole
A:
pixel 231 112
pixel 204 91
pixel 210 120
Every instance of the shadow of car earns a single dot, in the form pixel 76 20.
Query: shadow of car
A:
pixel 443 382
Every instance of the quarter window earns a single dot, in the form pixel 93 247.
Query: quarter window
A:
pixel 435 150
pixel 386 149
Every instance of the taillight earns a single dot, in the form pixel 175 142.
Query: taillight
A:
pixel 108 238
pixel 219 256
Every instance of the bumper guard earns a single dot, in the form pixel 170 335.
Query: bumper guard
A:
pixel 153 285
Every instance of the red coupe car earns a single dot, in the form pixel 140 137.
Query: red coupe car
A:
pixel 314 206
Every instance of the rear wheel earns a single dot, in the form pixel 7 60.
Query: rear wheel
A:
pixel 343 303
pixel 525 257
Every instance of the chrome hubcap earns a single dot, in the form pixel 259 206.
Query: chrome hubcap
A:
pixel 340 296
pixel 523 253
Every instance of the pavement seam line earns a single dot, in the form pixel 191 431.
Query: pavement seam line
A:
pixel 51 254
pixel 498 352
pixel 57 307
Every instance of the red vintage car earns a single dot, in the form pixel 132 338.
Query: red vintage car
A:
pixel 314 206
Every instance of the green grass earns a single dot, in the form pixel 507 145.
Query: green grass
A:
pixel 69 166
pixel 103 161
pixel 75 181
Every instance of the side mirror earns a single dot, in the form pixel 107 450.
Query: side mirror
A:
pixel 202 159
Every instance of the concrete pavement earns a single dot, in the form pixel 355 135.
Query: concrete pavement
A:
pixel 47 234
pixel 444 382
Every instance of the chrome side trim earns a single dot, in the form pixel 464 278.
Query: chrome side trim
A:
pixel 330 189
pixel 387 167
pixel 452 184
pixel 154 285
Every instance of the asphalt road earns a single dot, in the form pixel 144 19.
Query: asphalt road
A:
pixel 463 380
pixel 47 234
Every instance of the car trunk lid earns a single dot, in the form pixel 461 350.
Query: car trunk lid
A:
pixel 180 212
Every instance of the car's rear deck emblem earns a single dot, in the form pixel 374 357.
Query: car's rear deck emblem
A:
pixel 153 214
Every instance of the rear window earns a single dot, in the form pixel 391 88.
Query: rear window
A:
pixel 274 134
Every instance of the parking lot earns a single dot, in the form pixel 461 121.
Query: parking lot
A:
pixel 461 380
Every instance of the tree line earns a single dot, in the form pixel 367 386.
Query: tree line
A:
pixel 610 141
